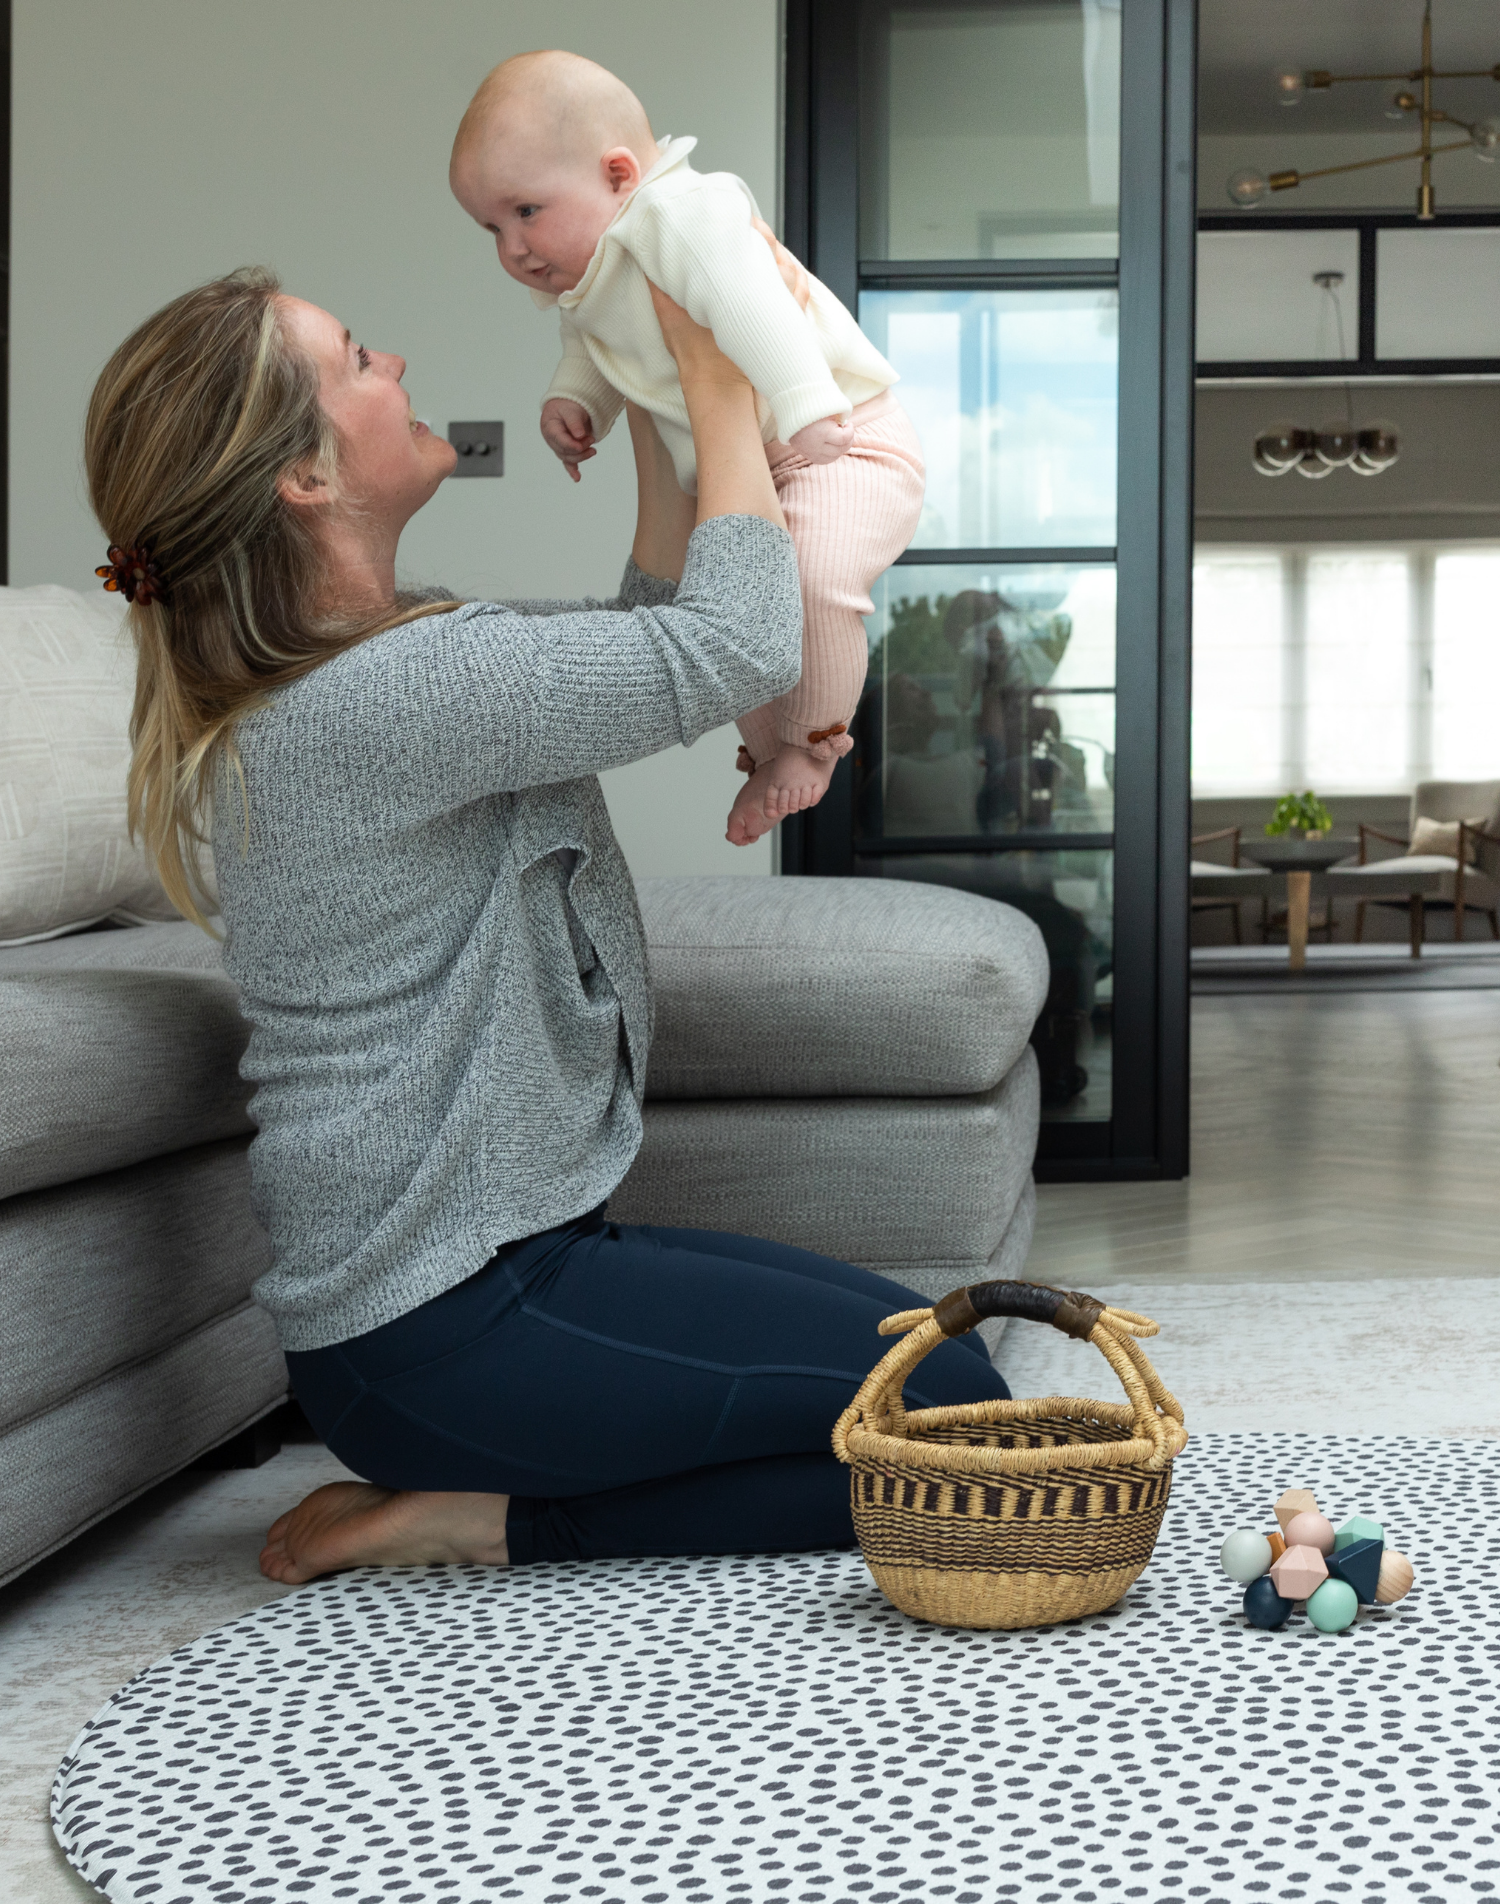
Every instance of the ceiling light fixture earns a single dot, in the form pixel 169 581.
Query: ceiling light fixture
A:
pixel 1249 189
pixel 1318 453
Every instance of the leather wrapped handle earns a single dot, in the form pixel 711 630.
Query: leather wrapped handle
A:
pixel 1066 1309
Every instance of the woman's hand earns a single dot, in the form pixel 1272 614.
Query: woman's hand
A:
pixel 793 271
pixel 694 351
pixel 734 478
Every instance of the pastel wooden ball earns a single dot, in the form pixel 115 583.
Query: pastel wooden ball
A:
pixel 1245 1556
pixel 1333 1606
pixel 1395 1579
pixel 1311 1529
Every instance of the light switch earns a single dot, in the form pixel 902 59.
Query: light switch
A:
pixel 480 446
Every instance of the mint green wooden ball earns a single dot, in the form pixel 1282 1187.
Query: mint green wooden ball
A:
pixel 1332 1606
pixel 1245 1556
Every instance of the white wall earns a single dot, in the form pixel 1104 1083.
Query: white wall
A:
pixel 158 143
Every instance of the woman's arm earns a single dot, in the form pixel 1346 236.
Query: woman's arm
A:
pixel 734 478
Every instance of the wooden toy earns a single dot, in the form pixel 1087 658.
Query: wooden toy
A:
pixel 1245 1556
pixel 1296 1500
pixel 1299 1572
pixel 1332 1607
pixel 1395 1578
pixel 1310 1529
pixel 1358 1529
pixel 1359 1565
pixel 1264 1606
pixel 1305 1561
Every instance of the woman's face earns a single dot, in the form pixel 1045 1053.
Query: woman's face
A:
pixel 389 463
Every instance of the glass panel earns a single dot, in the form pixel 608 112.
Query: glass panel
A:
pixel 1258 299
pixel 1437 293
pixel 1247 53
pixel 1070 896
pixel 990 702
pixel 1465 664
pixel 990 131
pixel 1013 394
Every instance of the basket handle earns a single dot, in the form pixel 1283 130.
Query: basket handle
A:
pixel 1066 1309
pixel 1158 1414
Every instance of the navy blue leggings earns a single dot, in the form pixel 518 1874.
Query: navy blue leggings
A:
pixel 634 1391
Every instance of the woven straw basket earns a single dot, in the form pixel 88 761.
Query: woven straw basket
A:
pixel 1017 1513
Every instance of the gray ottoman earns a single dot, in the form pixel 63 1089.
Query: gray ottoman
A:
pixel 843 1064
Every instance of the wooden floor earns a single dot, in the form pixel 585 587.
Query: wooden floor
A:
pixel 1339 1136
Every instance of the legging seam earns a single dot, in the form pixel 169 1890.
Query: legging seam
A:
pixel 353 1401
pixel 734 1389
pixel 690 1361
pixel 459 1441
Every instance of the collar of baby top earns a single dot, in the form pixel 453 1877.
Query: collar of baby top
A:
pixel 674 152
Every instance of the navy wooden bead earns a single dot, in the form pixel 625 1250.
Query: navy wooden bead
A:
pixel 1264 1606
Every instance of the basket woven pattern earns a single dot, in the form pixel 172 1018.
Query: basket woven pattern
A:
pixel 1018 1513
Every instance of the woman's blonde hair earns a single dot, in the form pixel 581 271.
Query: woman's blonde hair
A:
pixel 193 423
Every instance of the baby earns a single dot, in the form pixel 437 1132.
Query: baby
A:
pixel 555 156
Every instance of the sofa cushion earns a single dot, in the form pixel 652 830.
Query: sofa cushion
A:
pixel 921 1189
pixel 97 1274
pixel 119 1046
pixel 67 678
pixel 778 988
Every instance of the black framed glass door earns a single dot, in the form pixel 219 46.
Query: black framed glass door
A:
pixel 1004 191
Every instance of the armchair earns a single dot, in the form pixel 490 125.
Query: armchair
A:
pixel 1421 882
pixel 1217 887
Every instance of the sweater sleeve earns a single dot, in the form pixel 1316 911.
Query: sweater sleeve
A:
pixel 580 378
pixel 702 249
pixel 437 713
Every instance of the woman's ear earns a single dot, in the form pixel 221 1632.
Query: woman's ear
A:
pixel 302 487
pixel 621 169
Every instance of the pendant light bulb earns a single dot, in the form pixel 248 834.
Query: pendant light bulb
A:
pixel 1248 189
pixel 1289 86
pixel 1484 135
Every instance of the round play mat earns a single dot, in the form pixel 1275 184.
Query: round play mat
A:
pixel 698 1731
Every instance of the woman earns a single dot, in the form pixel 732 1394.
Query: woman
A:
pixel 440 956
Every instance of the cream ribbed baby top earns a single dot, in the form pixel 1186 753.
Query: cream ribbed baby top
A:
pixel 690 233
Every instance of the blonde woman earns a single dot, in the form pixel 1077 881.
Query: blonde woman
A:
pixel 439 954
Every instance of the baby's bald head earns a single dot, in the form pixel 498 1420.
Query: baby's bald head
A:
pixel 548 153
pixel 560 105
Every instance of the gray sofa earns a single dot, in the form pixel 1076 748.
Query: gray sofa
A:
pixel 841 1064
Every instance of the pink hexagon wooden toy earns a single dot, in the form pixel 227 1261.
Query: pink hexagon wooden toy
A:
pixel 1299 1572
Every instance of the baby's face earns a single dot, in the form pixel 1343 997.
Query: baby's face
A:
pixel 547 212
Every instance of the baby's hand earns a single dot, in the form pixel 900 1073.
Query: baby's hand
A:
pixel 568 431
pixel 824 441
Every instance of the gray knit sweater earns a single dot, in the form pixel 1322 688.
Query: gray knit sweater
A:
pixel 434 932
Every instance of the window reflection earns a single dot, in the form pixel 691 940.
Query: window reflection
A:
pixel 1013 394
pixel 1070 898
pixel 990 131
pixel 989 706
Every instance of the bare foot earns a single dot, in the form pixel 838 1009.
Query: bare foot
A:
pixel 747 817
pixel 351 1524
pixel 795 781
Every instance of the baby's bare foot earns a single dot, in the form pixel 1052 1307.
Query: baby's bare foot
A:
pixel 350 1524
pixel 747 817
pixel 794 782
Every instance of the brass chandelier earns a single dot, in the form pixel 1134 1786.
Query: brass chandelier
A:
pixel 1248 189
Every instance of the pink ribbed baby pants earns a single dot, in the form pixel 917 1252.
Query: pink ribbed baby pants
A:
pixel 849 520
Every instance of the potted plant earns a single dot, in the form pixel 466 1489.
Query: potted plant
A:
pixel 1300 816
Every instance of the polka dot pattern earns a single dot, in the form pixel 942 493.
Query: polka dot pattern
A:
pixel 770 1729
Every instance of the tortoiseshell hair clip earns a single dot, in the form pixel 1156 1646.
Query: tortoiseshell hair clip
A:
pixel 133 573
